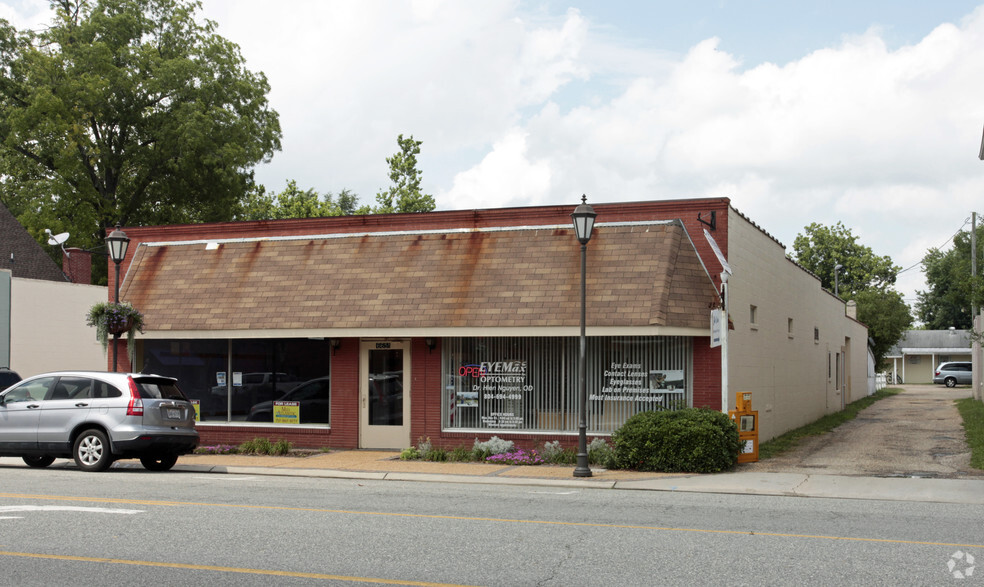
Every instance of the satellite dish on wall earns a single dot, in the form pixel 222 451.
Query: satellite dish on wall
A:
pixel 56 239
pixel 718 254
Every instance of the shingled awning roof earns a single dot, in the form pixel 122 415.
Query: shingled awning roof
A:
pixel 639 275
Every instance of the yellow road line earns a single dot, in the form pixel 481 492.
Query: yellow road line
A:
pixel 117 561
pixel 479 519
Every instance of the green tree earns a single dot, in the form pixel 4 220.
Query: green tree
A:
pixel 127 111
pixel 887 316
pixel 821 248
pixel 404 194
pixel 952 289
pixel 865 277
pixel 295 203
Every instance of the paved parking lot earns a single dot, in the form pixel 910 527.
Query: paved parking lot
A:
pixel 917 433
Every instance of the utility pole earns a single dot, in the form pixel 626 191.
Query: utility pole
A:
pixel 973 264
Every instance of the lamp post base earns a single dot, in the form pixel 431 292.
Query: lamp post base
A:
pixel 582 469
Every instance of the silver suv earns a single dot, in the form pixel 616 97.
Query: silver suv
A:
pixel 953 373
pixel 97 418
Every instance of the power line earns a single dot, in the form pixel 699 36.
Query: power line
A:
pixel 917 264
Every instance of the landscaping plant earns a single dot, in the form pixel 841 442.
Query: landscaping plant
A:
pixel 690 440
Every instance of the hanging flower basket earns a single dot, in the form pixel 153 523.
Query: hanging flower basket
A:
pixel 117 319
pixel 117 327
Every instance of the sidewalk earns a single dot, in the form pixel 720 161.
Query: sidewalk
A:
pixel 387 466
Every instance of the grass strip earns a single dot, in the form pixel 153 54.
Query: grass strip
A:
pixel 972 412
pixel 791 439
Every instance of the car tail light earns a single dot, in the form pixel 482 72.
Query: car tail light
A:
pixel 135 408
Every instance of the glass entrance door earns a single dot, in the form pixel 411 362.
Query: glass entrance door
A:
pixel 384 395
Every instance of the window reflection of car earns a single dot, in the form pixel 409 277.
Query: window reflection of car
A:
pixel 256 388
pixel 314 397
pixel 386 398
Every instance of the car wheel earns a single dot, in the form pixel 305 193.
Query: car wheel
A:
pixel 158 462
pixel 39 462
pixel 91 451
pixel 950 381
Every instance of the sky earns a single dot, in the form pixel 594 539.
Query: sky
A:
pixel 867 113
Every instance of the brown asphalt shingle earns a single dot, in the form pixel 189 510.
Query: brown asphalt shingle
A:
pixel 20 253
pixel 637 276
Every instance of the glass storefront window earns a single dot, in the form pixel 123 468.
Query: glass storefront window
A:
pixel 277 380
pixel 530 384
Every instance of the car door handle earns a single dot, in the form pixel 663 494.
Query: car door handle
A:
pixel 81 405
pixel 32 406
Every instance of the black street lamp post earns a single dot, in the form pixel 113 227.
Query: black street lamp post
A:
pixel 584 217
pixel 117 242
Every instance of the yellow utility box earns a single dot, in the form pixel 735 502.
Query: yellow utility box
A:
pixel 748 430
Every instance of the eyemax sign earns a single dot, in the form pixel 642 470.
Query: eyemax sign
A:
pixel 487 368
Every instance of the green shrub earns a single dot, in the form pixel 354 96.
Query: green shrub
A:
pixel 460 454
pixel 600 453
pixel 551 452
pixel 257 446
pixel 690 440
pixel 410 454
pixel 281 447
pixel 263 446
pixel 438 455
pixel 492 446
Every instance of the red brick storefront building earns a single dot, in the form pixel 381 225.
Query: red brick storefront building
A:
pixel 376 331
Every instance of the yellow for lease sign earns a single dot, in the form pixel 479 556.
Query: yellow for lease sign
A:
pixel 286 412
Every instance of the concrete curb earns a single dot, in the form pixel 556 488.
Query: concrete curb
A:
pixel 917 489
pixel 395 476
pixel 961 491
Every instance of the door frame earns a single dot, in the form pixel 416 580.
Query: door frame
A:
pixel 383 437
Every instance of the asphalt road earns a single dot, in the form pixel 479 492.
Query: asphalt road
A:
pixel 132 527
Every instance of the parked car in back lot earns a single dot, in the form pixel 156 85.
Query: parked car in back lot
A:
pixel 97 418
pixel 954 373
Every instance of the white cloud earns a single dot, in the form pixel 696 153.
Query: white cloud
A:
pixel 518 107
pixel 26 14
pixel 882 140
pixel 504 177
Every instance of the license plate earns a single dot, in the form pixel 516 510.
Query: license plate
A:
pixel 174 414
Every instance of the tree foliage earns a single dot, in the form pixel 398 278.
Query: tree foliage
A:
pixel 293 202
pixel 952 289
pixel 404 194
pixel 887 316
pixel 127 111
pixel 865 277
pixel 821 248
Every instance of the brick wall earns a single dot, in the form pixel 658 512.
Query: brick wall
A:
pixel 707 374
pixel 426 385
pixel 345 394
pixel 234 435
pixel 426 389
pixel 77 265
